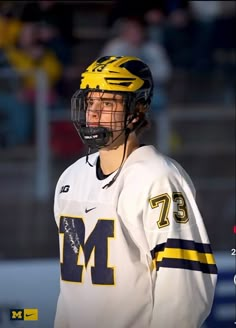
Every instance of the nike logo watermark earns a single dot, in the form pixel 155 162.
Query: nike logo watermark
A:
pixel 89 209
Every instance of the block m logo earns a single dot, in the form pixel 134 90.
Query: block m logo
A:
pixel 17 314
pixel 79 254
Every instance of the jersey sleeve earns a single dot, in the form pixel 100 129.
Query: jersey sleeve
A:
pixel 183 267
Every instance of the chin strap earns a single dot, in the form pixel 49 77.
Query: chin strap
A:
pixel 127 132
pixel 87 157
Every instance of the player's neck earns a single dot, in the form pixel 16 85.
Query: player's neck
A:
pixel 110 159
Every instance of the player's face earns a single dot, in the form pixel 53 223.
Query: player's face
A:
pixel 106 110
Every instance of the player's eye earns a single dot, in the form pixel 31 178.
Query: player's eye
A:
pixel 90 103
pixel 108 103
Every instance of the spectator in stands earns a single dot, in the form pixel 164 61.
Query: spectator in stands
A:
pixel 55 36
pixel 130 39
pixel 10 26
pixel 31 54
pixel 53 12
pixel 167 23
pixel 14 111
pixel 17 107
pixel 49 36
pixel 204 16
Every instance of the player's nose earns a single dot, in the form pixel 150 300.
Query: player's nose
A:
pixel 93 116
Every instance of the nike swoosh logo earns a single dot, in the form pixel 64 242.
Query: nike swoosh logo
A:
pixel 89 209
pixel 28 315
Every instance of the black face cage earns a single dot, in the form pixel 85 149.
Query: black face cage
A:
pixel 100 136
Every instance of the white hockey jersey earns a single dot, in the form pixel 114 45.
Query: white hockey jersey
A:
pixel 136 254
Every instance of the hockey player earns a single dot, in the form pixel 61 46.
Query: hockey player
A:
pixel 134 250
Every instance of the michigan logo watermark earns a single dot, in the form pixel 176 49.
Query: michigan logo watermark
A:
pixel 24 314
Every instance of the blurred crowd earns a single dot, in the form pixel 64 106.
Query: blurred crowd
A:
pixel 33 37
pixel 169 35
pixel 190 31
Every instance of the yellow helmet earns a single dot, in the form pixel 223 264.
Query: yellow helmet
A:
pixel 121 74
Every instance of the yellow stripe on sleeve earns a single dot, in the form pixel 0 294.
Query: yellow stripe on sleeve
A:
pixel 185 254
